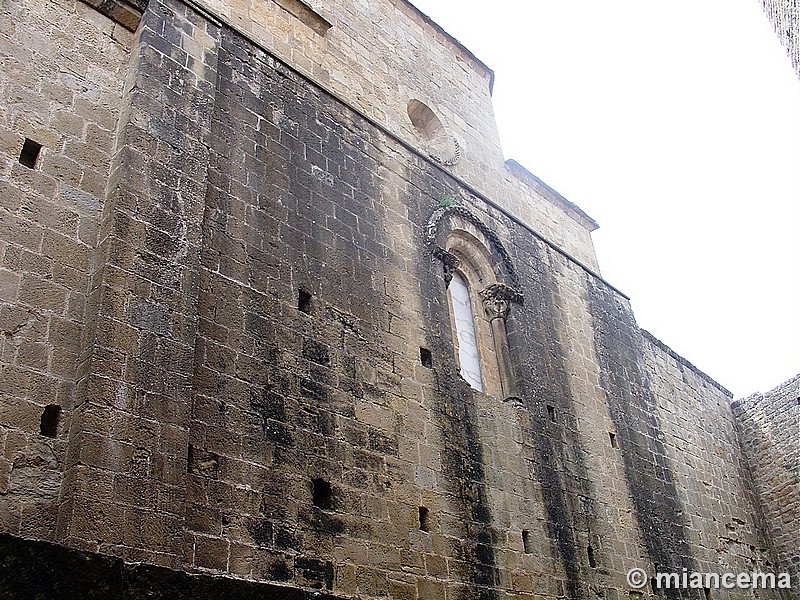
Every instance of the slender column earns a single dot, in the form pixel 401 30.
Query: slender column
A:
pixel 497 299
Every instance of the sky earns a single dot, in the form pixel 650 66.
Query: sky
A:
pixel 676 126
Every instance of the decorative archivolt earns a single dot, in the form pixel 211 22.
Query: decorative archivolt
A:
pixel 452 159
pixel 509 292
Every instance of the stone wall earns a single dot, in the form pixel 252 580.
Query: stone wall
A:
pixel 769 430
pixel 60 87
pixel 721 507
pixel 125 480
pixel 35 570
pixel 379 56
pixel 267 387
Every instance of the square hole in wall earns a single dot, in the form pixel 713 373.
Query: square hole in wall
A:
pixel 29 155
pixel 303 301
pixel 426 358
pixel 527 543
pixel 424 519
pixel 321 493
pixel 48 426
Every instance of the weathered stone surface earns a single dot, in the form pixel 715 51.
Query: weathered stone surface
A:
pixel 63 74
pixel 769 432
pixel 34 570
pixel 233 282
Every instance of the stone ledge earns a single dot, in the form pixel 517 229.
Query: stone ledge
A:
pixel 127 13
pixel 306 14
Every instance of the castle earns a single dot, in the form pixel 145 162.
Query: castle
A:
pixel 279 321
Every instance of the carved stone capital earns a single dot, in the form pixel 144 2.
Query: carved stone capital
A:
pixel 450 263
pixel 497 300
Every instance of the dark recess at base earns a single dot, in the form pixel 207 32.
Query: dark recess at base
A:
pixel 32 570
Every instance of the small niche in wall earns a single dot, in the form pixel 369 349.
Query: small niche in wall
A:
pixel 592 559
pixel 551 412
pixel 424 119
pixel 527 545
pixel 49 423
pixel 321 494
pixel 612 437
pixel 441 146
pixel 29 155
pixel 304 301
pixel 426 358
pixel 424 519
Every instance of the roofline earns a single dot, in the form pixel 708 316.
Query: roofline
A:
pixel 455 41
pixel 678 358
pixel 552 194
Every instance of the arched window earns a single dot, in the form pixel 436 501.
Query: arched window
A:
pixel 479 307
pixel 473 335
pixel 465 338
pixel 476 268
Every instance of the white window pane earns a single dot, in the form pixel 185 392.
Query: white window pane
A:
pixel 465 330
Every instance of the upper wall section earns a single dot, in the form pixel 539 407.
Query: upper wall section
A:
pixel 398 68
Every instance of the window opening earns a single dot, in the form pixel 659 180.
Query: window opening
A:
pixel 424 119
pixel 463 316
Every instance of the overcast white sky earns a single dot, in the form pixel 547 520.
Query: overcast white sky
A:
pixel 676 125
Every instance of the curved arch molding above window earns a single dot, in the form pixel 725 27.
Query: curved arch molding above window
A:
pixel 437 229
